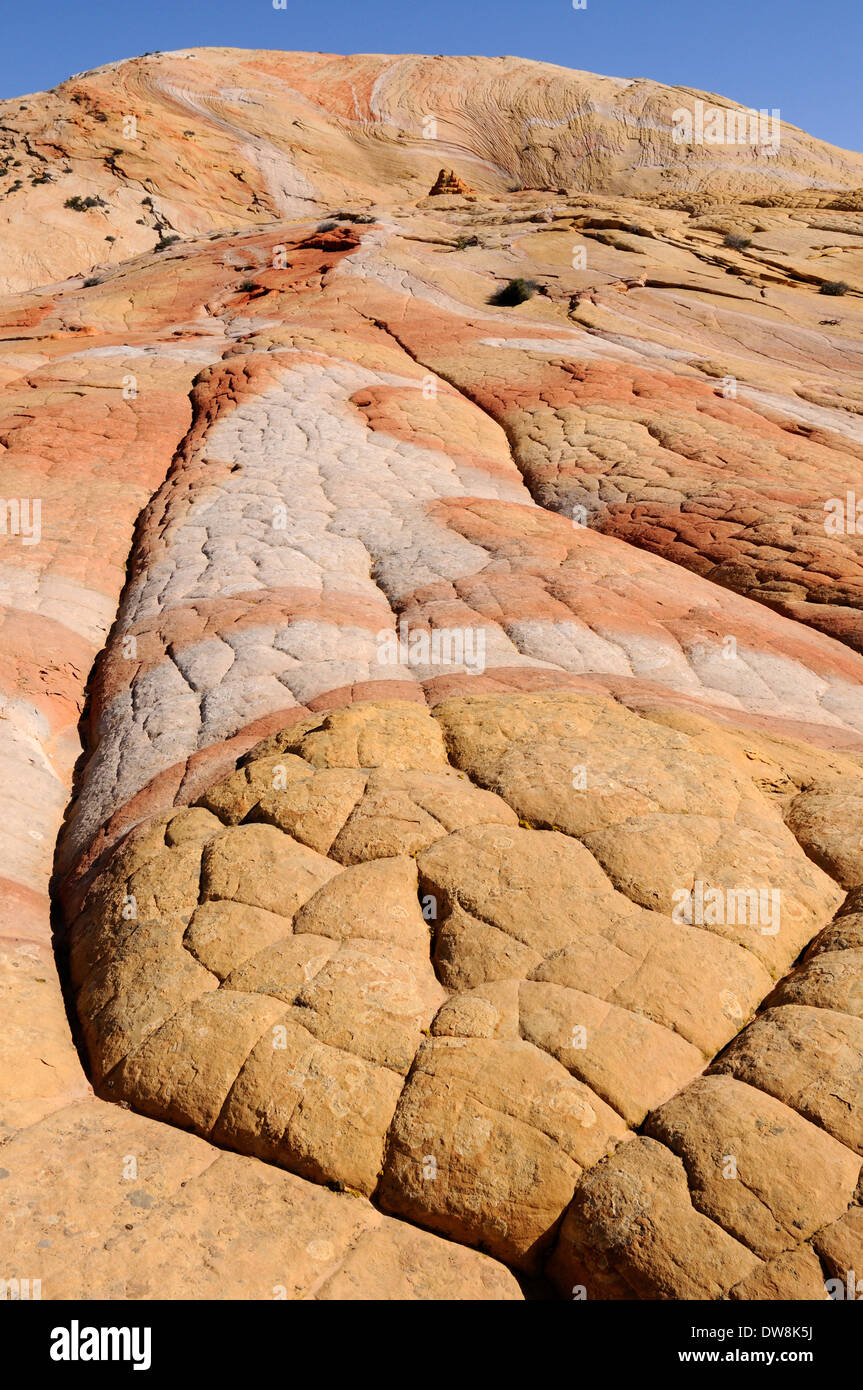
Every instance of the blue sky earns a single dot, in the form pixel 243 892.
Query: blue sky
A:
pixel 803 56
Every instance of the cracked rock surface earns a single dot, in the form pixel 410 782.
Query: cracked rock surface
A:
pixel 440 724
pixel 465 996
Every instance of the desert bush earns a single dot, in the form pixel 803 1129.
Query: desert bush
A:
pixel 79 204
pixel 834 287
pixel 737 241
pixel 516 292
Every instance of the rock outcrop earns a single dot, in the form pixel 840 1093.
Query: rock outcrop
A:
pixel 448 182
pixel 443 722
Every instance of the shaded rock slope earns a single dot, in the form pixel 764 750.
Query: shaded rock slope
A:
pixel 442 717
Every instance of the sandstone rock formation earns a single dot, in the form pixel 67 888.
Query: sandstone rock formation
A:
pixel 443 722
pixel 448 182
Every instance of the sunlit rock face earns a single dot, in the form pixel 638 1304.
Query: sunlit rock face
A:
pixel 432 671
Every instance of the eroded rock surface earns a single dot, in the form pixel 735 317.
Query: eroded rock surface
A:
pixel 463 875
pixel 463 1003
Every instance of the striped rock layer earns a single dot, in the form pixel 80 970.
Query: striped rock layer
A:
pixel 442 721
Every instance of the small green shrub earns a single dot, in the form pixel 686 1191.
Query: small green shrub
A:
pixel 462 241
pixel 737 241
pixel 79 204
pixel 248 286
pixel 834 287
pixel 516 292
